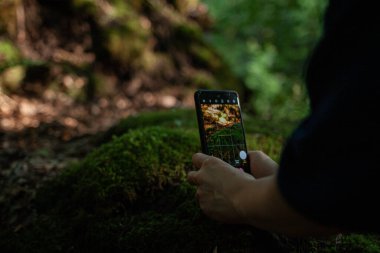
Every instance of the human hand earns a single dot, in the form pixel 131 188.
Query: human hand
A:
pixel 218 184
pixel 232 196
pixel 261 164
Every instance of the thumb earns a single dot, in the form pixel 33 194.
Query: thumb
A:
pixel 193 178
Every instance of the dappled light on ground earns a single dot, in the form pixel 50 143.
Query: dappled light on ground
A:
pixel 41 136
pixel 21 112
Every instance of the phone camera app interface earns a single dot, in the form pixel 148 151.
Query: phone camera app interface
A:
pixel 224 130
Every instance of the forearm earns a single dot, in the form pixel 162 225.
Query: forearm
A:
pixel 260 203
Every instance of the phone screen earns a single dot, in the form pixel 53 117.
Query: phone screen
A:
pixel 221 127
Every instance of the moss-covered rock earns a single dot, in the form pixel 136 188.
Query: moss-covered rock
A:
pixel 134 165
pixel 264 135
pixel 173 118
pixel 131 195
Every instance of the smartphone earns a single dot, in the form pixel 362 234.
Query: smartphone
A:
pixel 221 126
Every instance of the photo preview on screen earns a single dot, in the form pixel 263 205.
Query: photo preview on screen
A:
pixel 223 129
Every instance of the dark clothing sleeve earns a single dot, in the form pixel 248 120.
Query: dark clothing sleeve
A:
pixel 329 168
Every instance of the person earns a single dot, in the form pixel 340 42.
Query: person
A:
pixel 327 180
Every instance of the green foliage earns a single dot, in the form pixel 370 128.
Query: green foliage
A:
pixel 8 52
pixel 266 43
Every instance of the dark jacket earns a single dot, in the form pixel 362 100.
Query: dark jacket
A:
pixel 330 169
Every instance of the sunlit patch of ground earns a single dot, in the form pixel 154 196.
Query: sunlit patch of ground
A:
pixel 18 112
pixel 40 136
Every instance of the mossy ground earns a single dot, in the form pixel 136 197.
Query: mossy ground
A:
pixel 131 195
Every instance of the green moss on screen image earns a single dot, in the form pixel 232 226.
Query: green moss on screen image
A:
pixel 224 133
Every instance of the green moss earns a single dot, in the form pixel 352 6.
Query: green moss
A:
pixel 124 38
pixel 185 31
pixel 360 243
pixel 270 145
pixel 272 127
pixel 184 6
pixel 260 134
pixel 174 118
pixel 186 118
pixel 127 37
pixel 136 164
pixel 350 243
pixel 206 56
pixel 8 51
pixel 87 6
pixel 204 80
pixel 343 243
pixel 130 195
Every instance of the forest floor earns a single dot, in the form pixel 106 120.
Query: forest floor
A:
pixel 41 136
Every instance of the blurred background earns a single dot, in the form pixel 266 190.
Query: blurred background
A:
pixel 84 64
pixel 75 74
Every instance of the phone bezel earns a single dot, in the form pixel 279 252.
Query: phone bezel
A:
pixel 216 94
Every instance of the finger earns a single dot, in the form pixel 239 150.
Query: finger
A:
pixel 193 177
pixel 198 193
pixel 199 159
pixel 261 164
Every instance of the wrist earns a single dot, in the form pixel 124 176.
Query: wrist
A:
pixel 241 200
